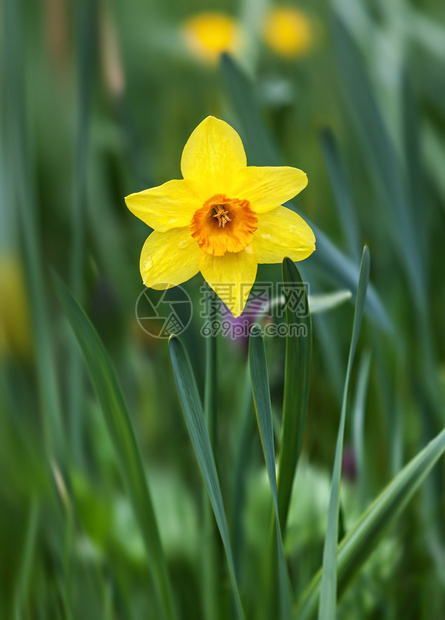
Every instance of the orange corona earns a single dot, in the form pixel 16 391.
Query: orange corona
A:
pixel 223 225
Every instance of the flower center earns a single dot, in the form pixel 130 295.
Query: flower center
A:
pixel 223 225
pixel 219 211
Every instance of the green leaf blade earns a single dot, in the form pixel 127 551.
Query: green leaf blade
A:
pixel 377 142
pixel 263 408
pixel 328 301
pixel 194 420
pixel 328 594
pixel 340 188
pixel 122 433
pixel 296 392
pixel 358 422
pixel 361 540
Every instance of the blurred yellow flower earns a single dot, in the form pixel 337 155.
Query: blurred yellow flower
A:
pixel 223 218
pixel 15 332
pixel 288 31
pixel 208 35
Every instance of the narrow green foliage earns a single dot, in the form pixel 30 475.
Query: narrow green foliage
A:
pixel 114 409
pixel 259 143
pixel 86 26
pixel 296 388
pixel 378 144
pixel 359 543
pixel 340 188
pixel 22 186
pixel 328 595
pixel 242 463
pixel 211 379
pixel 415 170
pixel 263 408
pixel 26 559
pixel 358 422
pixel 211 552
pixel 328 301
pixel 194 420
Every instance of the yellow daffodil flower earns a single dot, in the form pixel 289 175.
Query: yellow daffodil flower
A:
pixel 288 31
pixel 208 35
pixel 222 219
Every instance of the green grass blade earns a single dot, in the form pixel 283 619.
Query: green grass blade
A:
pixel 194 420
pixel 328 594
pixel 381 151
pixel 328 301
pixel 20 179
pixel 340 188
pixel 358 422
pixel 296 389
pixel 109 395
pixel 343 271
pixel 211 560
pixel 434 158
pixel 261 398
pixel 242 466
pixel 211 378
pixel 361 540
pixel 86 25
pixel 415 166
pixel 259 144
pixel 26 559
pixel 261 150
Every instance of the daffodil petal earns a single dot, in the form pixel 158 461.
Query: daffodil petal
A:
pixel 212 155
pixel 169 258
pixel 268 187
pixel 231 277
pixel 167 206
pixel 282 233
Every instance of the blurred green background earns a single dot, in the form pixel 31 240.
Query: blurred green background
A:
pixel 98 100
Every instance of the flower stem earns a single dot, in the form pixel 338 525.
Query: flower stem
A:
pixel 210 395
pixel 211 577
